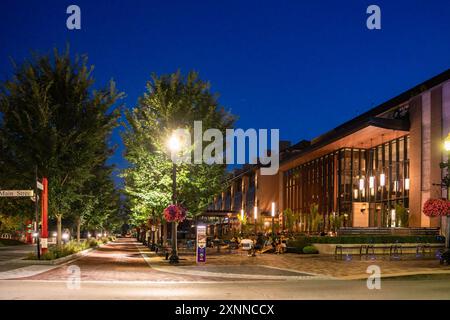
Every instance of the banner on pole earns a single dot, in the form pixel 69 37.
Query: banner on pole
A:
pixel 201 243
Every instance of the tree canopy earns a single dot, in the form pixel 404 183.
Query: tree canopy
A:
pixel 171 101
pixel 52 118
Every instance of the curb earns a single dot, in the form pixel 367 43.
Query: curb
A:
pixel 395 275
pixel 178 270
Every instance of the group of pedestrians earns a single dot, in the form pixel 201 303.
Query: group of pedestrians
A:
pixel 277 244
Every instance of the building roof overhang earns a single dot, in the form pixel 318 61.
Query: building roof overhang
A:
pixel 362 134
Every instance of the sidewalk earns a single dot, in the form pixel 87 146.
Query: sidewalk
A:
pixel 294 266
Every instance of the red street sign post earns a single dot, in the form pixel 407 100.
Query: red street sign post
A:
pixel 44 208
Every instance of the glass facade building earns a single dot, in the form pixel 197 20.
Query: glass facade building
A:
pixel 371 180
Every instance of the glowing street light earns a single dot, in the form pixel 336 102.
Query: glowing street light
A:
pixel 174 143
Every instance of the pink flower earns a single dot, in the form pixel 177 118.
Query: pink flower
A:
pixel 174 213
pixel 436 207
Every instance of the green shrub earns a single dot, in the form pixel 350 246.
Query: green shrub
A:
pixel 310 250
pixel 49 255
pixel 31 256
pixel 297 245
pixel 64 251
pixel 91 243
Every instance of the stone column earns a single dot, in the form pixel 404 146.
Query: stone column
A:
pixel 415 162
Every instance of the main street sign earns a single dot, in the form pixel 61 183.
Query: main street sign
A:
pixel 16 193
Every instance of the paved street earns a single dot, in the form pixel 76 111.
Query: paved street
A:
pixel 15 252
pixel 127 270
pixel 306 289
pixel 10 256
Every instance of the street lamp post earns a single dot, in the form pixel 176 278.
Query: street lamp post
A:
pixel 36 208
pixel 174 145
pixel 447 148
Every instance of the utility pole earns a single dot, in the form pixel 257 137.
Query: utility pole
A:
pixel 36 206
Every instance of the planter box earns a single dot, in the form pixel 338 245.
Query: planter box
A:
pixel 379 248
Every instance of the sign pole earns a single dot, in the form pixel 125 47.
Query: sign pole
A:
pixel 36 206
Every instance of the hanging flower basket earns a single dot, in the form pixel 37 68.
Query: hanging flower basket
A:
pixel 174 213
pixel 436 207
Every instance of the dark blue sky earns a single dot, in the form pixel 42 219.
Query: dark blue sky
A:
pixel 301 66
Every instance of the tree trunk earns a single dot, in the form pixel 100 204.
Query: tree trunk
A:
pixel 59 230
pixel 165 233
pixel 138 233
pixel 78 229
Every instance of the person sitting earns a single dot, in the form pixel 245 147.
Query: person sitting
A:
pixel 280 247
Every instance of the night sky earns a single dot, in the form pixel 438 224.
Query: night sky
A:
pixel 301 66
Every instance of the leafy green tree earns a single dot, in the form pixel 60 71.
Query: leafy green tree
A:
pixel 315 218
pixel 402 215
pixel 172 101
pixel 290 219
pixel 52 118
